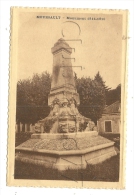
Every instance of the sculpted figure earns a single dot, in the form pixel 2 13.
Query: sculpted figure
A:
pixel 73 108
pixel 55 110
pixel 91 125
pixel 64 109
pixel 87 128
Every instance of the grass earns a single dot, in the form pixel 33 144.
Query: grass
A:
pixel 106 171
pixel 22 137
pixel 113 137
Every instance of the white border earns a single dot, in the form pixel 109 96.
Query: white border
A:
pixel 4 59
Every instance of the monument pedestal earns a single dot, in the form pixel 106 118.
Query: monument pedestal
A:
pixel 65 151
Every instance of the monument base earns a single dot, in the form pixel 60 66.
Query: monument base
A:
pixel 70 152
pixel 63 135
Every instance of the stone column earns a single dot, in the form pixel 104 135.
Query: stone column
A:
pixel 16 128
pixel 31 128
pixel 42 129
pixel 62 75
pixel 21 127
pixel 26 127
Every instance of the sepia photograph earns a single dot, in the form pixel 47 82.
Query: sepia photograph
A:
pixel 67 103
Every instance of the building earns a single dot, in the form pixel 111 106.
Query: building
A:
pixel 110 120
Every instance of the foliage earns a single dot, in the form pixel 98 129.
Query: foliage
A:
pixel 32 98
pixel 115 137
pixel 48 123
pixel 100 81
pixel 113 95
pixel 95 95
pixel 92 97
pixel 82 126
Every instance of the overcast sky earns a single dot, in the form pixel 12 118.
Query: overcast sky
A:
pixel 100 50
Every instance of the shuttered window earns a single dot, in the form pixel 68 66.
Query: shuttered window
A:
pixel 108 126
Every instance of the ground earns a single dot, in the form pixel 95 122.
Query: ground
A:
pixel 106 171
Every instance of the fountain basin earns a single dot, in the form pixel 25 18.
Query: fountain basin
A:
pixel 65 151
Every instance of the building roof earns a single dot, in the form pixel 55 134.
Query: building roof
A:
pixel 113 108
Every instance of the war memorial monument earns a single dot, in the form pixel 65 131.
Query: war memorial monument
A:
pixel 72 140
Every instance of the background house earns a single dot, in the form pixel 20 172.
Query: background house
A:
pixel 110 120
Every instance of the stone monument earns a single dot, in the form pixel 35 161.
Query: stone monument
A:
pixel 66 139
pixel 63 100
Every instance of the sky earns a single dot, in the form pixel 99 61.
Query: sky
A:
pixel 100 48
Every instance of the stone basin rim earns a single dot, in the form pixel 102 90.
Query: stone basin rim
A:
pixel 63 135
pixel 68 152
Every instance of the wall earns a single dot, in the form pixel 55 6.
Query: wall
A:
pixel 115 123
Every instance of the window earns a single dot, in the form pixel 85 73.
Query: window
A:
pixel 108 126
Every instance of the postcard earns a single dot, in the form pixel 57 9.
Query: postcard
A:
pixel 67 98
